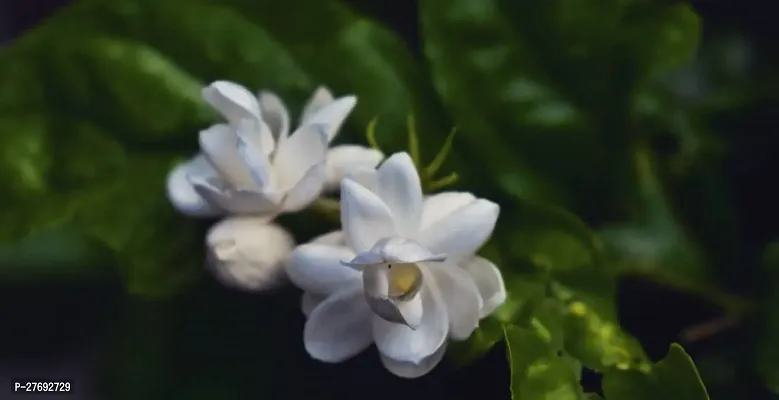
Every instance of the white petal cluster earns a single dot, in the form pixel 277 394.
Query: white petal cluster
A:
pixel 251 168
pixel 401 274
pixel 252 165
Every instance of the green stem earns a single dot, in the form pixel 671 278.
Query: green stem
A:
pixel 439 158
pixel 370 134
pixel 413 142
pixel 441 183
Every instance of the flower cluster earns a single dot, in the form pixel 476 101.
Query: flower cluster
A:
pixel 251 168
pixel 401 273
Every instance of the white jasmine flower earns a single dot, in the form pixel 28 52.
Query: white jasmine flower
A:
pixel 248 252
pixel 410 280
pixel 252 165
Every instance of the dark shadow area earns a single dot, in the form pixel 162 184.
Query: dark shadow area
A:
pixel 214 338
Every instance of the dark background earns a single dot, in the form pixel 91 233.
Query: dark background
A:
pixel 62 331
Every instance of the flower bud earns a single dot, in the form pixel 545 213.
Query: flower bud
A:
pixel 248 252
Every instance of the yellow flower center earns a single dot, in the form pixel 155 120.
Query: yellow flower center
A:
pixel 405 279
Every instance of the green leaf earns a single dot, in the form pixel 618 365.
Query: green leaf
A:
pixel 570 255
pixel 69 161
pixel 487 335
pixel 527 305
pixel 522 77
pixel 674 377
pixel 551 238
pixel 381 70
pixel 104 98
pixel 538 369
pixel 593 335
pixel 160 252
pixel 654 242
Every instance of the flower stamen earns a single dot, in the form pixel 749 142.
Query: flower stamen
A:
pixel 405 280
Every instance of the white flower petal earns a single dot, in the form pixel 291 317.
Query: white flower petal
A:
pixel 234 201
pixel 339 328
pixel 410 370
pixel 248 252
pixel 489 281
pixel 401 343
pixel 219 144
pixel 340 160
pixel 411 310
pixel 321 97
pixel 183 196
pixel 253 155
pixel 366 177
pixel 333 115
pixel 464 231
pixel 275 114
pixel 400 189
pixel 394 250
pixel 296 155
pixel 309 301
pixel 364 259
pixel 461 297
pixel 306 190
pixel 364 217
pixel 317 268
pixel 408 312
pixel 334 238
pixel 440 205
pixel 257 135
pixel 232 100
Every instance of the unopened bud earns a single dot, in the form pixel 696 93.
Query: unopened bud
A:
pixel 248 252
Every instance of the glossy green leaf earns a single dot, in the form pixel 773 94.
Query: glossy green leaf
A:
pixel 523 77
pixel 538 369
pixel 673 377
pixel 593 335
pixel 570 255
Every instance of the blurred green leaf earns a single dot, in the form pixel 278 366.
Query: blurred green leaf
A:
pixel 329 37
pixel 654 242
pixel 538 368
pixel 674 377
pixel 553 239
pixel 110 94
pixel 522 77
pixel 68 163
